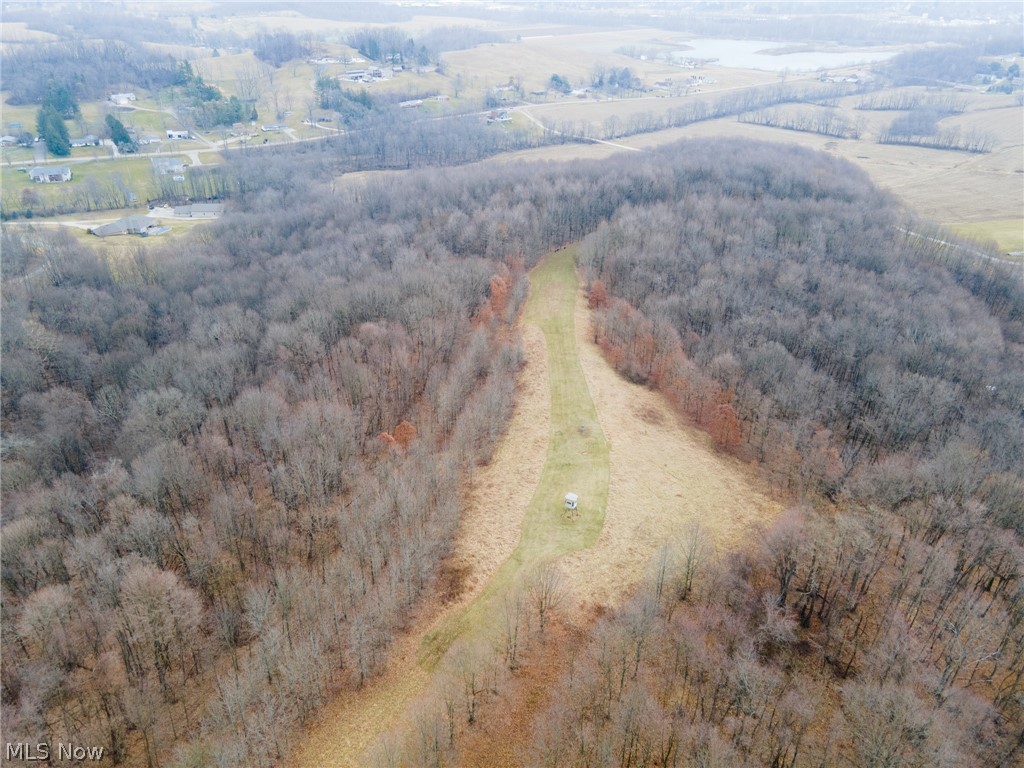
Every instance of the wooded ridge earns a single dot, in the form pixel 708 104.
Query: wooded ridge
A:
pixel 232 466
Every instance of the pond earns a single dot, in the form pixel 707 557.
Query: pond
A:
pixel 753 54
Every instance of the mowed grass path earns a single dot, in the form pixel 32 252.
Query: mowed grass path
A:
pixel 577 461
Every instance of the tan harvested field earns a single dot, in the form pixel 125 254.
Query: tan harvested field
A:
pixel 15 33
pixel 575 56
pixel 596 112
pixel 941 185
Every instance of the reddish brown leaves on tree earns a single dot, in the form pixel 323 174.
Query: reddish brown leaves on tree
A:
pixel 403 436
pixel 499 295
pixel 405 433
pixel 725 426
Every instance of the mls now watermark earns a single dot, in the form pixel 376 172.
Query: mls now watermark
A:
pixel 43 752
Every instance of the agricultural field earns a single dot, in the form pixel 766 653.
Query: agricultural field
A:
pixel 982 192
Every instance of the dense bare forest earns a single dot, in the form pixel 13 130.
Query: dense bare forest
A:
pixel 232 467
pixel 779 302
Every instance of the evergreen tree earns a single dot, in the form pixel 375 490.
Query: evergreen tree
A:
pixel 119 135
pixel 62 100
pixel 50 127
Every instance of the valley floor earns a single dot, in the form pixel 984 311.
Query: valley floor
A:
pixel 642 475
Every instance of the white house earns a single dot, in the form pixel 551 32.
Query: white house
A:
pixel 166 166
pixel 178 135
pixel 50 175
pixel 122 99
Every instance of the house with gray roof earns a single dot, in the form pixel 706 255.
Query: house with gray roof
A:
pixel 51 174
pixel 200 210
pixel 166 166
pixel 129 225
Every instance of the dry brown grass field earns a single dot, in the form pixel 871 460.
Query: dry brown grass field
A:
pixel 17 33
pixel 663 476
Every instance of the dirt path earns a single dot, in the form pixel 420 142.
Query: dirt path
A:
pixel 641 475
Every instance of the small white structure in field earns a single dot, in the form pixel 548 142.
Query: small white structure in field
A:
pixel 571 500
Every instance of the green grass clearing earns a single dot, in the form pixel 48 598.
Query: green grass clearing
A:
pixel 89 180
pixel 577 461
pixel 1007 234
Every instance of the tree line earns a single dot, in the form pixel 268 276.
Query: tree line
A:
pixel 91 70
pixel 822 121
pixel 699 109
pixel 394 45
pixel 920 128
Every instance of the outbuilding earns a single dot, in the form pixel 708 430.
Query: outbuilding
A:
pixel 199 210
pixel 571 501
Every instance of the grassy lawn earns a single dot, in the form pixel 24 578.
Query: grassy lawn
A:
pixel 577 461
pixel 1008 234
pixel 135 173
pixel 21 113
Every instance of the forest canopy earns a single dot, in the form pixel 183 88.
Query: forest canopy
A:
pixel 232 466
pixel 89 70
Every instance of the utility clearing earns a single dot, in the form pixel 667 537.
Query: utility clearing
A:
pixel 642 477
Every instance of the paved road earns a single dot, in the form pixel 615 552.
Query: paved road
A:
pixel 523 111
